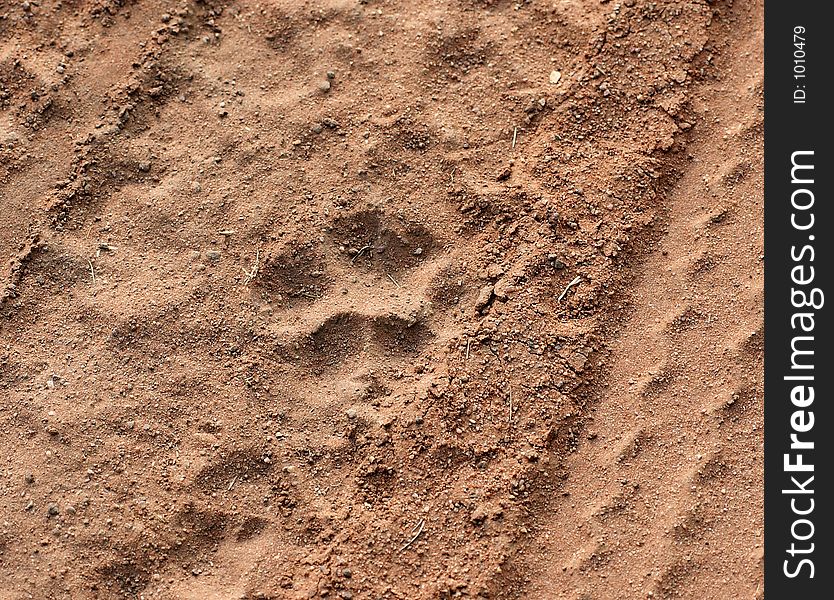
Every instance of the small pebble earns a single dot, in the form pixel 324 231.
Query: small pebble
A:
pixel 351 413
pixel 213 255
pixel 29 478
pixel 324 86
pixel 484 297
pixel 52 510
pixel 331 74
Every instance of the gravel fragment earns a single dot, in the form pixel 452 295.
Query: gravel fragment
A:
pixel 484 297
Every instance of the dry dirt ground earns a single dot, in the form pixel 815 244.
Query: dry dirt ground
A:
pixel 375 299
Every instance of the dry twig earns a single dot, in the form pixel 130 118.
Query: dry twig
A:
pixel 360 252
pixel 419 529
pixel 575 280
pixel 226 233
pixel 250 275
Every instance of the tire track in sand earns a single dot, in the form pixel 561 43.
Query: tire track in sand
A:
pixel 663 496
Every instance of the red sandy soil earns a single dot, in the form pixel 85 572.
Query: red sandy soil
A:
pixel 372 299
